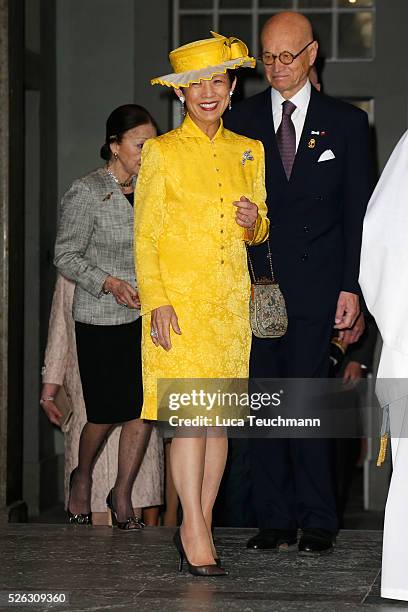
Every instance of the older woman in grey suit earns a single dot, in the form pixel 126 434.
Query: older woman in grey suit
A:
pixel 94 248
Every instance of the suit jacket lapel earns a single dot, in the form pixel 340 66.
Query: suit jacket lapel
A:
pixel 312 120
pixel 273 162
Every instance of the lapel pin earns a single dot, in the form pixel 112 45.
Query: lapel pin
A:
pixel 247 156
pixel 315 132
pixel 312 143
pixel 108 196
pixel 322 133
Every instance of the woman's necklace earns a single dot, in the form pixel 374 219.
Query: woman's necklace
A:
pixel 125 184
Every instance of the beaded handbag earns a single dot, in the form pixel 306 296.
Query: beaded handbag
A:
pixel 267 308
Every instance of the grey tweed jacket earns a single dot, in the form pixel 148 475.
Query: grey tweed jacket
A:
pixel 95 240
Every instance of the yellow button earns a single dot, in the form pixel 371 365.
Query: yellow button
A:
pixel 217 169
pixel 215 155
pixel 221 199
pixel 222 216
pixel 219 184
pixel 222 248
pixel 222 231
pixel 222 261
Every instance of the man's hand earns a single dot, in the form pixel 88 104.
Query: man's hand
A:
pixel 161 319
pixel 349 336
pixel 348 309
pixel 352 372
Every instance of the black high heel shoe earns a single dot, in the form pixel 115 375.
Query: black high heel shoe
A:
pixel 195 570
pixel 77 519
pixel 131 523
pixel 216 559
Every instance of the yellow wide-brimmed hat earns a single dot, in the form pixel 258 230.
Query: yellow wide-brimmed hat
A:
pixel 203 59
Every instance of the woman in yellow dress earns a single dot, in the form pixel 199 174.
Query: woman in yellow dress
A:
pixel 200 197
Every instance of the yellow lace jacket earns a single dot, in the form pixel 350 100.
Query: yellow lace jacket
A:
pixel 187 241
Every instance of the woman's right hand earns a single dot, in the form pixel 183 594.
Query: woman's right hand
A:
pixel 123 292
pixel 48 393
pixel 161 319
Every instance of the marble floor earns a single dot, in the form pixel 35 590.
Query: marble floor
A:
pixel 105 569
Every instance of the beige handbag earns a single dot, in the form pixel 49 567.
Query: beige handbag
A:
pixel 267 308
pixel 64 405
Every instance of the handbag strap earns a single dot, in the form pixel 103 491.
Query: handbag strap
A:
pixel 269 256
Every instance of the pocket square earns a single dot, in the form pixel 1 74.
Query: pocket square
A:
pixel 326 155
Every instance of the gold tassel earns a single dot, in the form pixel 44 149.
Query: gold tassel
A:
pixel 383 450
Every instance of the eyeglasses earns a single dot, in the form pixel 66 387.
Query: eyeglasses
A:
pixel 285 57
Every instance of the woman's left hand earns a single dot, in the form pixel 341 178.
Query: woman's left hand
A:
pixel 122 291
pixel 247 213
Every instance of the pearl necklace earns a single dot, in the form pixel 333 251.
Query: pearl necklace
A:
pixel 125 184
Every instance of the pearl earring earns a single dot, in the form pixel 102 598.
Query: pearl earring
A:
pixel 230 105
pixel 182 109
pixel 116 156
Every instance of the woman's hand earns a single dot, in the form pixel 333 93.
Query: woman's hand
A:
pixel 161 319
pixel 124 294
pixel 247 213
pixel 48 393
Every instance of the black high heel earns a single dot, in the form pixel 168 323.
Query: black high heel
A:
pixel 77 519
pixel 216 559
pixel 131 523
pixel 195 570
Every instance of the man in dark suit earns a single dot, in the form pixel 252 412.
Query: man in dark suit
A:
pixel 318 184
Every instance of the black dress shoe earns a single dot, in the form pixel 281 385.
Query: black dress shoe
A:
pixel 269 539
pixel 212 570
pixel 314 542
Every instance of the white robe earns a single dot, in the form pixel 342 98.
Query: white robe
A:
pixel 384 281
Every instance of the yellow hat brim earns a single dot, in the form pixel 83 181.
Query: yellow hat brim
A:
pixel 185 79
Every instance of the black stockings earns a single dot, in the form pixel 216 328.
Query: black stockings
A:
pixel 134 439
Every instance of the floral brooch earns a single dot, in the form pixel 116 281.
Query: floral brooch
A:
pixel 247 156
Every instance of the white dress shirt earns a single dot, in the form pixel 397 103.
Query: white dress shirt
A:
pixel 300 100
